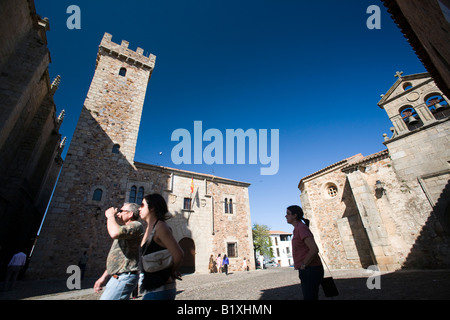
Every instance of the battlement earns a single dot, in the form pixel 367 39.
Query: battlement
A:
pixel 122 52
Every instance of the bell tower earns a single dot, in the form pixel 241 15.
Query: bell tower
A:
pixel 99 160
pixel 413 102
pixel 419 147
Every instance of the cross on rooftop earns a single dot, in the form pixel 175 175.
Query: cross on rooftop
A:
pixel 398 74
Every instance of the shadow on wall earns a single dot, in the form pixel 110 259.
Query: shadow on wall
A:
pixel 431 249
pixel 358 231
pixel 95 176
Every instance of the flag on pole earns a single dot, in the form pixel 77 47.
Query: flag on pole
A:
pixel 192 185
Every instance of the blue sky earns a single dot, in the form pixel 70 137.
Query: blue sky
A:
pixel 311 69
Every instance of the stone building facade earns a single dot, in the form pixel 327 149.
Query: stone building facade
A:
pixel 100 172
pixel 390 208
pixel 30 143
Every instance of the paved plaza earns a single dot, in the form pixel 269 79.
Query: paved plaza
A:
pixel 268 284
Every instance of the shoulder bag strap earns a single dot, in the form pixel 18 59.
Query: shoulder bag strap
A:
pixel 149 240
pixel 325 263
pixel 153 232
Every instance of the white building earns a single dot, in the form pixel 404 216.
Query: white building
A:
pixel 281 247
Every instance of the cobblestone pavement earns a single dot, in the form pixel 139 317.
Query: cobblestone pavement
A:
pixel 268 284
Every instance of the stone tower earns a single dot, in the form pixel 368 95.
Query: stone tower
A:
pixel 106 133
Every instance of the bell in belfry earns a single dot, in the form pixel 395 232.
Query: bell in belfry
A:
pixel 412 119
pixel 438 106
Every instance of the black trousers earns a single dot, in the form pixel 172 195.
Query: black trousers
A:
pixel 311 278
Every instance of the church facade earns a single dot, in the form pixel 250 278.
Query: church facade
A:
pixel 391 208
pixel 209 215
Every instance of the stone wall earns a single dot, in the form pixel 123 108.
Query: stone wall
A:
pixel 334 218
pixel 29 139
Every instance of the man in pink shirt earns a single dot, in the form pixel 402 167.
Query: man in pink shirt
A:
pixel 305 253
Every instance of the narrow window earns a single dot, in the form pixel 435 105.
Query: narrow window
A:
pixel 122 72
pixel 226 205
pixel 132 198
pixel 115 148
pixel 187 204
pixel 230 210
pixel 140 195
pixel 97 195
pixel 232 250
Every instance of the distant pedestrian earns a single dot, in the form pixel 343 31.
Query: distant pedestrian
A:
pixel 305 253
pixel 211 264
pixel 82 263
pixel 225 264
pixel 219 263
pixel 14 267
pixel 261 262
pixel 244 265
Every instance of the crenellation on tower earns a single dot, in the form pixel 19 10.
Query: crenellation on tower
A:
pixel 107 46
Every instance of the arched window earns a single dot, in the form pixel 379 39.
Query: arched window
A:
pixel 411 118
pixel 140 195
pixel 230 206
pixel 226 205
pixel 116 148
pixel 438 106
pixel 122 72
pixel 97 196
pixel 407 86
pixel 132 198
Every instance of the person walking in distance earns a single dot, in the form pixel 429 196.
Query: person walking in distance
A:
pixel 14 267
pixel 305 253
pixel 219 263
pixel 225 264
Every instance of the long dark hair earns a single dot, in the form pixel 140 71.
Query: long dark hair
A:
pixel 299 212
pixel 156 201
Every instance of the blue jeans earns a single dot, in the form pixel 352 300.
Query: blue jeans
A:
pixel 120 288
pixel 311 278
pixel 165 292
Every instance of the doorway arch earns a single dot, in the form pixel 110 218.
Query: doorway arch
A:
pixel 188 246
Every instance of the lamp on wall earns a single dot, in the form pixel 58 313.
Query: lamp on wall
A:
pixel 379 189
pixel 378 185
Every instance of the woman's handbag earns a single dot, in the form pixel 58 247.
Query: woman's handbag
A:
pixel 328 285
pixel 158 260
